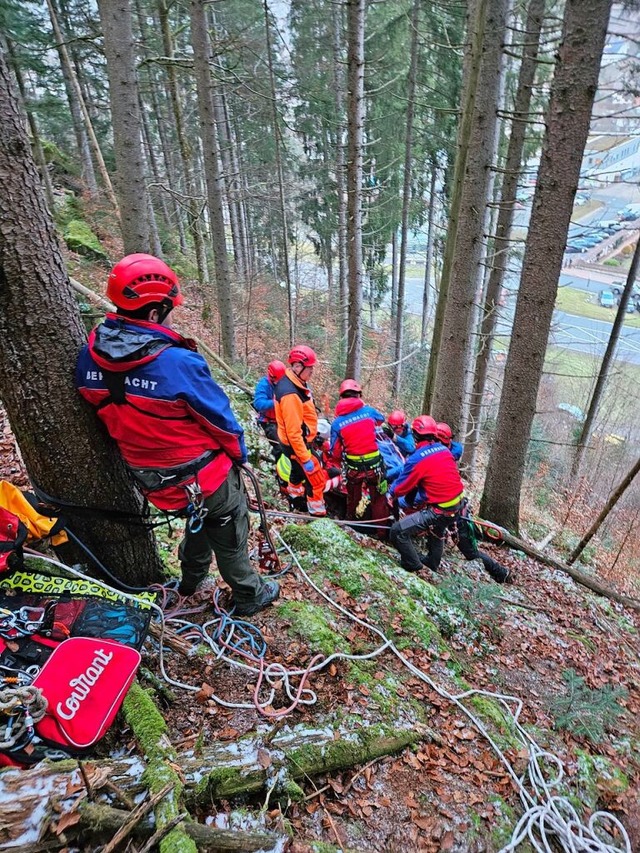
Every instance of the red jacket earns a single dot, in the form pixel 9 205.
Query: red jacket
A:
pixel 432 469
pixel 353 431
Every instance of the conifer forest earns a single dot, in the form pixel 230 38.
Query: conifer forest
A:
pixel 440 202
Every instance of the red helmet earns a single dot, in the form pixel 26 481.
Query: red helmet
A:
pixel 139 280
pixel 397 418
pixel 304 354
pixel 425 425
pixel 349 385
pixel 275 371
pixel 444 433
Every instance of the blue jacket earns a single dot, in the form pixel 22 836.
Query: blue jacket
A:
pixel 174 411
pixel 263 401
pixel 393 459
pixel 456 450
pixel 405 442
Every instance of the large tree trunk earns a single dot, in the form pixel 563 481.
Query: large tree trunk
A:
pixel 33 127
pixel 201 58
pixel 338 79
pixel 406 197
pixel 607 358
pixel 429 253
pixel 476 23
pixel 65 451
pixel 457 339
pixel 568 118
pixel 500 257
pixel 355 123
pixel 131 185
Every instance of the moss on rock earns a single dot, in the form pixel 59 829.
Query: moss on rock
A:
pixel 313 623
pixel 80 238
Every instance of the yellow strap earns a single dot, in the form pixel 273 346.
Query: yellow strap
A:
pixel 365 458
pixel 451 503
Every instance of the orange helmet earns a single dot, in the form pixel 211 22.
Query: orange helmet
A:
pixel 304 354
pixel 444 433
pixel 349 385
pixel 425 425
pixel 275 371
pixel 397 418
pixel 139 280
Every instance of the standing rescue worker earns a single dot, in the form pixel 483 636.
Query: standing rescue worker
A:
pixel 431 471
pixel 354 446
pixel 297 421
pixel 264 405
pixel 400 433
pixel 173 426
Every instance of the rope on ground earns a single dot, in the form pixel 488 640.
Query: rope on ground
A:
pixel 545 816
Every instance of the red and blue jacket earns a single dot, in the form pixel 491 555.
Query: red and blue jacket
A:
pixel 173 410
pixel 432 470
pixel 353 432
pixel 263 401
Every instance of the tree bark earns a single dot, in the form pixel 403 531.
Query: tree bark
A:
pixel 201 59
pixel 355 123
pixel 457 342
pixel 64 449
pixel 429 253
pixel 603 375
pixel 476 24
pixel 500 256
pixel 338 78
pixel 568 118
pixel 33 127
pixel 406 196
pixel 131 185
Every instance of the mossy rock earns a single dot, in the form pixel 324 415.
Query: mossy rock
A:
pixel 80 238
pixel 425 615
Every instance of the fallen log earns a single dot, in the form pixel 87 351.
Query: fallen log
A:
pixel 579 577
pixel 36 800
pixel 101 821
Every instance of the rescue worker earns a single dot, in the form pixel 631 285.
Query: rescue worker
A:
pixel 297 420
pixel 432 471
pixel 400 433
pixel 354 445
pixel 264 405
pixel 173 426
pixel 445 436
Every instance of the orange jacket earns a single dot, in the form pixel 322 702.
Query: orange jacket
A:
pixel 296 415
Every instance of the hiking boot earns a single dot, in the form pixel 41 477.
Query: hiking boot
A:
pixel 500 574
pixel 316 508
pixel 187 588
pixel 268 594
pixel 424 559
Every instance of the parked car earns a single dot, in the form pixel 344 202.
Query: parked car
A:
pixel 570 249
pixel 607 299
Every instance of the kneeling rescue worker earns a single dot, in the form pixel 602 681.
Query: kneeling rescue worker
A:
pixel 431 471
pixel 297 420
pixel 173 425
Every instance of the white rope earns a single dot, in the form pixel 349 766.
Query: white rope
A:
pixel 546 816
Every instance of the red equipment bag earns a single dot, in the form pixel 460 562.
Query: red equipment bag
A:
pixel 85 681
